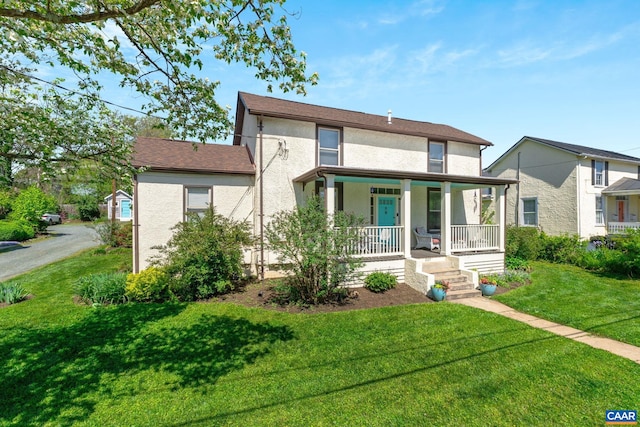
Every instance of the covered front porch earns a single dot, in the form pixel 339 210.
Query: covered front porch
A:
pixel 620 206
pixel 395 204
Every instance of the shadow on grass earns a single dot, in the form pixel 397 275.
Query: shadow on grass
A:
pixel 54 375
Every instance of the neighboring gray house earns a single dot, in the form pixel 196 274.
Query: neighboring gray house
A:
pixel 123 206
pixel 570 189
pixel 398 174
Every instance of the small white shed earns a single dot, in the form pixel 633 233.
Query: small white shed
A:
pixel 124 201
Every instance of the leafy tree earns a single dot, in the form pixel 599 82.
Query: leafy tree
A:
pixel 204 256
pixel 45 132
pixel 30 204
pixel 316 251
pixel 154 46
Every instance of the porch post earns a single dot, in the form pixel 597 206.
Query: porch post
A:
pixel 501 216
pixel 445 218
pixel 405 221
pixel 329 194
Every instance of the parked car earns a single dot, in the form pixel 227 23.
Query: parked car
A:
pixel 50 218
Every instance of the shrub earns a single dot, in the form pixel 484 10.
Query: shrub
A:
pixel 16 230
pixel 5 203
pixel 116 234
pixel 29 206
pixel 102 288
pixel 561 249
pixel 523 242
pixel 12 292
pixel 204 257
pixel 514 276
pixel 148 285
pixel 88 209
pixel 515 263
pixel 315 251
pixel 380 281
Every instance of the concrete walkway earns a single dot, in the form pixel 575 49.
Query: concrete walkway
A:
pixel 616 347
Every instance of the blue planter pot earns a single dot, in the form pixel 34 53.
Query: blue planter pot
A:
pixel 487 289
pixel 438 294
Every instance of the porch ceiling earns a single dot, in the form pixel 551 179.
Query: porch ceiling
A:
pixel 346 174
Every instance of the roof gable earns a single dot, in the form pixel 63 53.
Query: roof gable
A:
pixel 280 108
pixel 187 156
pixel 578 150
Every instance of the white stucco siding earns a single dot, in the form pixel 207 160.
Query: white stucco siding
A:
pixel 463 159
pixel 162 196
pixel 549 176
pixel 381 150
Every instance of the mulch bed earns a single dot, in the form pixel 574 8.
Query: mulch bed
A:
pixel 261 295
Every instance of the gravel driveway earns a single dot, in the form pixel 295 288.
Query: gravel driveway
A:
pixel 65 240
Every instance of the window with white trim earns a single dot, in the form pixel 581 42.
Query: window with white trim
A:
pixel 328 146
pixel 530 212
pixel 599 173
pixel 599 210
pixel 197 199
pixel 436 157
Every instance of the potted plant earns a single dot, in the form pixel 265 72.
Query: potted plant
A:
pixel 488 286
pixel 439 290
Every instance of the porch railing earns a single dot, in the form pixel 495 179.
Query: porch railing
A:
pixel 475 237
pixel 379 241
pixel 620 227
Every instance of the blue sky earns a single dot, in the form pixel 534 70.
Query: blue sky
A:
pixel 562 70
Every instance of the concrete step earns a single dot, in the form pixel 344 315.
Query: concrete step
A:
pixel 461 286
pixel 469 293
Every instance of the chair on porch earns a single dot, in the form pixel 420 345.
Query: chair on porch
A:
pixel 426 240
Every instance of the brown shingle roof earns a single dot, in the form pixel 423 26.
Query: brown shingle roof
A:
pixel 273 107
pixel 173 155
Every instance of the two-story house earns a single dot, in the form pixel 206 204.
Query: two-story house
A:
pixel 570 189
pixel 398 174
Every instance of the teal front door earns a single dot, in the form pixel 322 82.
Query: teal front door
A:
pixel 386 218
pixel 386 211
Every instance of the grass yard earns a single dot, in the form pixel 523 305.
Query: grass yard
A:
pixel 225 364
pixel 591 302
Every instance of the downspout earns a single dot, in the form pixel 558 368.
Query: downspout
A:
pixel 136 234
pixel 517 218
pixel 260 127
pixel 481 150
pixel 504 216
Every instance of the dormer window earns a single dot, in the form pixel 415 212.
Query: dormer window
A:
pixel 328 146
pixel 436 157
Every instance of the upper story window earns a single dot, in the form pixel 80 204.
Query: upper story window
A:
pixel 436 157
pixel 197 199
pixel 599 173
pixel 328 146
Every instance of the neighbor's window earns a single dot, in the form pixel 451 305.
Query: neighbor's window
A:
pixel 599 210
pixel 197 199
pixel 436 157
pixel 530 212
pixel 599 173
pixel 328 146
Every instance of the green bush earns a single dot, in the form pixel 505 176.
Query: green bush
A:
pixel 12 292
pixel 523 242
pixel 116 234
pixel 317 252
pixel 29 206
pixel 562 249
pixel 102 288
pixel 88 209
pixel 515 263
pixel 16 230
pixel 204 257
pixel 149 285
pixel 5 203
pixel 380 281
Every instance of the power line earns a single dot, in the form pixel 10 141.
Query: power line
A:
pixel 28 76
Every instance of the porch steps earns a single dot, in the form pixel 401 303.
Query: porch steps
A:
pixel 459 287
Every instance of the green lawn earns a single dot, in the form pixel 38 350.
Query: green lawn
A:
pixel 594 303
pixel 223 364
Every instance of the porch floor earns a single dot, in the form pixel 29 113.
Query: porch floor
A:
pixel 423 253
